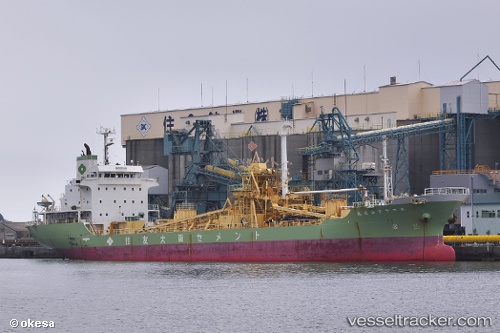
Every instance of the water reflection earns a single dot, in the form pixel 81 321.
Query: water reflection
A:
pixel 247 297
pixel 274 270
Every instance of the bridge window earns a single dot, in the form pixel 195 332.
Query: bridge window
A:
pixel 487 213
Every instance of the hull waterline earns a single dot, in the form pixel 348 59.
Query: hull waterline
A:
pixel 347 250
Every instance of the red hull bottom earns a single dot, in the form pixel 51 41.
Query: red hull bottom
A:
pixel 321 250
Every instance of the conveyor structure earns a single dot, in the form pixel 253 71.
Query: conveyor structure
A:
pixel 456 139
pixel 338 139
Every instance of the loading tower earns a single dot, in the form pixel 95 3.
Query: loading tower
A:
pixel 209 171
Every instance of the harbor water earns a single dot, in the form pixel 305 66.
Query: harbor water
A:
pixel 79 296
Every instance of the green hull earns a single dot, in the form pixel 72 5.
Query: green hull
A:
pixel 404 231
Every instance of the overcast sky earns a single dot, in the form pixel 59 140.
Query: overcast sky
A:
pixel 69 67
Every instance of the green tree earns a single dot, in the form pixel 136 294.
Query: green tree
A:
pixel 1 218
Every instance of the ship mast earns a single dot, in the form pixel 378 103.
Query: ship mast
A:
pixel 387 173
pixel 284 159
pixel 108 141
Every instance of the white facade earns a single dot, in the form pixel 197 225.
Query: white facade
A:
pixel 473 95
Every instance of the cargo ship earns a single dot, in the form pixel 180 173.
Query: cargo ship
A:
pixel 104 214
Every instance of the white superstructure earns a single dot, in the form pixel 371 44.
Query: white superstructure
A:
pixel 102 194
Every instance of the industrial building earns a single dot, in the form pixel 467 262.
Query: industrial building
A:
pixel 453 127
pixel 481 213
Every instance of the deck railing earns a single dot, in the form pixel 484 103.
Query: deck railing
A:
pixel 446 190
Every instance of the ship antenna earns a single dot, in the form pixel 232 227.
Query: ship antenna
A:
pixel 108 141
